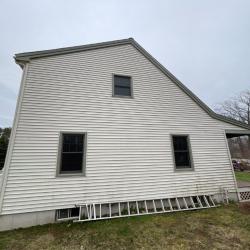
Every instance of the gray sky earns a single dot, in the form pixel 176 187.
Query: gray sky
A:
pixel 205 44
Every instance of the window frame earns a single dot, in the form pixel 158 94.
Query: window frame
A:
pixel 59 156
pixel 131 87
pixel 183 168
pixel 69 214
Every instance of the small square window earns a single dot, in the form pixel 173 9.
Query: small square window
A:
pixel 122 86
pixel 63 213
pixel 67 214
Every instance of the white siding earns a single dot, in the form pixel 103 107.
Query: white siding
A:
pixel 129 149
pixel 1 176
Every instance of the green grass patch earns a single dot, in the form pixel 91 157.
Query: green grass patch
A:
pixel 225 227
pixel 242 176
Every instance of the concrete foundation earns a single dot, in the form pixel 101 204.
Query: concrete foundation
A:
pixel 14 221
pixel 233 196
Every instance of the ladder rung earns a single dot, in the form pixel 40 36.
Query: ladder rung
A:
pixel 199 201
pixel 110 213
pixel 192 202
pixel 146 207
pixel 211 199
pixel 178 204
pixel 80 212
pixel 205 199
pixel 119 209
pixel 170 205
pixel 185 203
pixel 94 211
pixel 154 206
pixel 162 205
pixel 87 211
pixel 137 208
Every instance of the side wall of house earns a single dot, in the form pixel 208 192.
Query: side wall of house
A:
pixel 129 148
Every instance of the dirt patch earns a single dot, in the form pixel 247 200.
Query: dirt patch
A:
pixel 244 207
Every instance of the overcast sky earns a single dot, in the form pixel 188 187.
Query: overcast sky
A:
pixel 205 44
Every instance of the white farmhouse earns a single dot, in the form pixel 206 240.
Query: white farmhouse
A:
pixel 107 124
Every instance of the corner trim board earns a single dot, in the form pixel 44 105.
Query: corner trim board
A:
pixel 231 164
pixel 13 135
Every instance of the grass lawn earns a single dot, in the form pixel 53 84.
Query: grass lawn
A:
pixel 226 227
pixel 242 176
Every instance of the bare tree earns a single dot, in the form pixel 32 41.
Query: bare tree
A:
pixel 4 140
pixel 237 108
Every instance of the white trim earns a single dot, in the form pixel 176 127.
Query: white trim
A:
pixel 238 131
pixel 231 164
pixel 12 136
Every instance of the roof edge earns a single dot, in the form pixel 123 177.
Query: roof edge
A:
pixel 23 58
pixel 236 131
pixel 27 56
pixel 187 91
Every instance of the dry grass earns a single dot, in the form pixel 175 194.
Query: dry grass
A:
pixel 226 227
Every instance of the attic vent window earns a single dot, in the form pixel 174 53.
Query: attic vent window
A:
pixel 122 86
pixel 72 153
pixel 182 152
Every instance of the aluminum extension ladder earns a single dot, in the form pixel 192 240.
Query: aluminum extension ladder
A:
pixel 109 210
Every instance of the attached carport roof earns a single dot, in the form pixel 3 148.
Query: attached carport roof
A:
pixel 23 58
pixel 236 133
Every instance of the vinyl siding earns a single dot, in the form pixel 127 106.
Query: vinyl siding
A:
pixel 1 176
pixel 129 153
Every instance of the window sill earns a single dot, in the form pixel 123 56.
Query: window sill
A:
pixel 71 175
pixel 183 169
pixel 123 96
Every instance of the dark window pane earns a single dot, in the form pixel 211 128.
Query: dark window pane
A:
pixel 123 81
pixel 71 162
pixel 75 212
pixel 72 143
pixel 181 152
pixel 180 143
pixel 72 153
pixel 63 213
pixel 182 159
pixel 122 85
pixel 122 91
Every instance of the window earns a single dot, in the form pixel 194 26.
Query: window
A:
pixel 122 86
pixel 67 214
pixel 72 153
pixel 181 148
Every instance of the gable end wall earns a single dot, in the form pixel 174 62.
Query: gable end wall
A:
pixel 129 148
